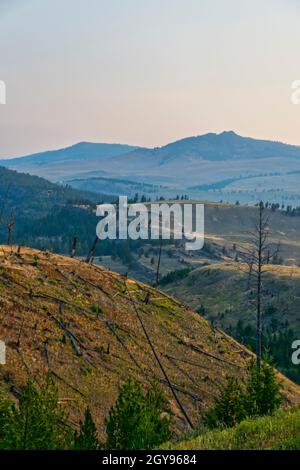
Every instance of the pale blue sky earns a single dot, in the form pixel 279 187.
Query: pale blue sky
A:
pixel 146 71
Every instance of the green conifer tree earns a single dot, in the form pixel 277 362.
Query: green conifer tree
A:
pixel 87 438
pixel 38 423
pixel 228 408
pixel 138 420
pixel 262 394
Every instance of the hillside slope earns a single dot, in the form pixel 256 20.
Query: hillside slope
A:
pixel 46 215
pixel 80 322
pixel 225 295
pixel 34 196
pixel 223 290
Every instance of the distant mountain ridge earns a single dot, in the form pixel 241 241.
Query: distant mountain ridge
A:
pixel 228 145
pixel 76 152
pixel 223 146
pixel 227 163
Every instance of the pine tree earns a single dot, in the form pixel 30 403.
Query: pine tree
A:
pixel 258 395
pixel 262 395
pixel 6 409
pixel 228 408
pixel 138 420
pixel 38 423
pixel 87 439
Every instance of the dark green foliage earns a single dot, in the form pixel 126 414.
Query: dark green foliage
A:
pixel 6 410
pixel 259 395
pixel 34 196
pixel 138 420
pixel 47 215
pixel 289 444
pixel 262 395
pixel 277 340
pixel 174 276
pixel 229 408
pixel 87 438
pixel 38 423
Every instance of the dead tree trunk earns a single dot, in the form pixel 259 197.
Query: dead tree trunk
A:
pixel 257 258
pixel 260 248
pixel 92 251
pixel 73 252
pixel 158 264
pixel 10 228
pixel 181 407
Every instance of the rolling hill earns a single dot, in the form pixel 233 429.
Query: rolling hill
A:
pixel 223 293
pixel 214 282
pixel 80 323
pixel 222 290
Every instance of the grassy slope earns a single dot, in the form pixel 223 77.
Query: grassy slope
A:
pixel 279 432
pixel 78 321
pixel 222 289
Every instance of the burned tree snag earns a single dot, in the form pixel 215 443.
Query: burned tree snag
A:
pixel 73 252
pixel 92 251
pixel 158 264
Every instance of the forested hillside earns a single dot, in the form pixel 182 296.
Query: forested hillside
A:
pixel 39 213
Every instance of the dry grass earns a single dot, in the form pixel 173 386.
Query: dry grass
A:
pixel 61 315
pixel 278 432
pixel 222 288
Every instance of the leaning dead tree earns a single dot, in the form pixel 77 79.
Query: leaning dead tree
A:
pixel 92 251
pixel 256 257
pixel 73 251
pixel 156 355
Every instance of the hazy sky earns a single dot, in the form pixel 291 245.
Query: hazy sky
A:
pixel 146 71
